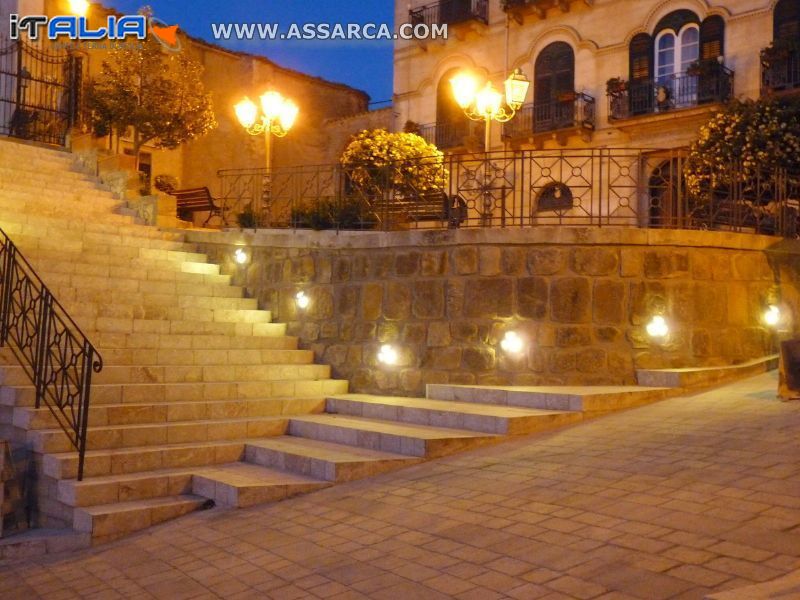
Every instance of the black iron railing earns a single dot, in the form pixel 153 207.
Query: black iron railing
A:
pixel 592 187
pixel 447 136
pixel 450 12
pixel 50 346
pixel 574 110
pixel 713 83
pixel 780 70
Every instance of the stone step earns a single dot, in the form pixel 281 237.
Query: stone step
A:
pixel 15 149
pixel 238 327
pixel 186 392
pixel 399 438
pixel 106 265
pixel 167 412
pixel 323 460
pixel 486 418
pixel 112 437
pixel 590 400
pixel 74 186
pixel 705 376
pixel 98 463
pixel 123 246
pixel 111 521
pixel 129 487
pixel 39 542
pixel 241 485
pixel 157 307
pixel 190 344
pixel 100 205
pixel 202 358
pixel 34 224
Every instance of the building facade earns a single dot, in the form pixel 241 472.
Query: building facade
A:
pixel 604 73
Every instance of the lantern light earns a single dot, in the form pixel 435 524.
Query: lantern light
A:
pixel 658 327
pixel 288 114
pixel 272 104
pixel 246 112
pixel 512 343
pixel 772 316
pixel 488 101
pixel 465 87
pixel 240 256
pixel 516 89
pixel 302 300
pixel 387 355
pixel 79 8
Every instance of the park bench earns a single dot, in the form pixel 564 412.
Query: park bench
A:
pixel 194 200
pixel 432 205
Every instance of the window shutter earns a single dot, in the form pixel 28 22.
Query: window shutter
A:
pixel 641 57
pixel 712 38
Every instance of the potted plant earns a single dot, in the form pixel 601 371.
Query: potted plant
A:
pixel 616 86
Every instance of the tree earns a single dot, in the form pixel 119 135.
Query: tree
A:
pixel 747 139
pixel 159 95
pixel 377 161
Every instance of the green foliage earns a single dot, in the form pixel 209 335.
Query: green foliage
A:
pixel 746 138
pixel 377 161
pixel 158 94
pixel 247 219
pixel 348 213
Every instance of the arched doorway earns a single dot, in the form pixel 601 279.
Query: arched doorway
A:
pixel 452 125
pixel 554 88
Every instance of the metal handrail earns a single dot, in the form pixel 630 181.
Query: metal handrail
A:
pixel 575 109
pixel 52 349
pixel 450 12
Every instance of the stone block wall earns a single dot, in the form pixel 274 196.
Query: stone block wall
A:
pixel 581 298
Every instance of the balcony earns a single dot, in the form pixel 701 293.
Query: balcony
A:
pixel 448 136
pixel 519 8
pixel 573 112
pixel 451 12
pixel 709 84
pixel 780 70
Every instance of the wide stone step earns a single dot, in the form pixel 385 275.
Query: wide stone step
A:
pixel 190 344
pixel 186 392
pixel 592 400
pixel 169 412
pixel 108 489
pixel 111 521
pixel 398 438
pixel 98 205
pixel 123 246
pixel 111 437
pixel 72 191
pixel 705 376
pixel 64 465
pixel 241 485
pixel 323 460
pixel 96 279
pixel 237 325
pixel 158 307
pixel 208 357
pixel 485 418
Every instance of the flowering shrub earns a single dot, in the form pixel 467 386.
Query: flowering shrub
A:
pixel 377 161
pixel 747 138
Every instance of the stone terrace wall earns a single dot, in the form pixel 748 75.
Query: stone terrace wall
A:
pixel 581 297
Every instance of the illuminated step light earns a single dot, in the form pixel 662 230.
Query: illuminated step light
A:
pixel 240 256
pixel 387 355
pixel 512 343
pixel 302 300
pixel 657 327
pixel 772 316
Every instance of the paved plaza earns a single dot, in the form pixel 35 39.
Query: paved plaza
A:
pixel 673 500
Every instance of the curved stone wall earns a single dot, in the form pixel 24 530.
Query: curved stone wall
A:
pixel 580 297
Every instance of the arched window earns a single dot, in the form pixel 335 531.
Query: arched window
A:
pixel 787 19
pixel 554 87
pixel 676 50
pixel 452 125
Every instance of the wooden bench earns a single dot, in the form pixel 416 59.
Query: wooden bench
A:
pixel 199 199
pixel 433 205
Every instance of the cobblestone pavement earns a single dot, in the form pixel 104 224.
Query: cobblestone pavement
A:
pixel 667 501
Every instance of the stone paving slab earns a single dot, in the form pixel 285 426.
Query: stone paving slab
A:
pixel 682 499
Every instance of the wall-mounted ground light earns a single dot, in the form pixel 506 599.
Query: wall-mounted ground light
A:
pixel 240 256
pixel 657 327
pixel 387 355
pixel 302 300
pixel 772 316
pixel 512 343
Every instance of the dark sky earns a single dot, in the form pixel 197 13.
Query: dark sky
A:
pixel 365 64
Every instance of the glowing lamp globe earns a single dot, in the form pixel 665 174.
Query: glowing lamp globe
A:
pixel 465 87
pixel 488 101
pixel 240 256
pixel 658 327
pixel 302 300
pixel 246 112
pixel 387 355
pixel 516 89
pixel 288 114
pixel 772 316
pixel 512 343
pixel 272 105
pixel 79 8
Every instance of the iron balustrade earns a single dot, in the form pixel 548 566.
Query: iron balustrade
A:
pixel 447 135
pixel 450 12
pixel 529 188
pixel 52 349
pixel 641 97
pixel 782 72
pixel 575 110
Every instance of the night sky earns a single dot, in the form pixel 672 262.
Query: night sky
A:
pixel 366 65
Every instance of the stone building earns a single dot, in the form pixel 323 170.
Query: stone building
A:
pixel 674 62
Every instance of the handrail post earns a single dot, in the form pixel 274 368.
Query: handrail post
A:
pixel 40 364
pixel 9 250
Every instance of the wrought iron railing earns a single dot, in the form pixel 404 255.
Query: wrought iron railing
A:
pixel 713 83
pixel 574 110
pixel 52 349
pixel 447 135
pixel 592 187
pixel 781 71
pixel 450 12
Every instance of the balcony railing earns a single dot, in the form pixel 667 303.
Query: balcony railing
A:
pixel 673 92
pixel 576 110
pixel 780 71
pixel 451 135
pixel 450 12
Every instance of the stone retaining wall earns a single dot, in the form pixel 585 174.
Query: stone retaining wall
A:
pixel 580 297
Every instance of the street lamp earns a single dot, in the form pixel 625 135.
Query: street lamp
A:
pixel 486 103
pixel 277 117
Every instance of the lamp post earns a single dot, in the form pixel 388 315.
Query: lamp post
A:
pixel 277 117
pixel 486 103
